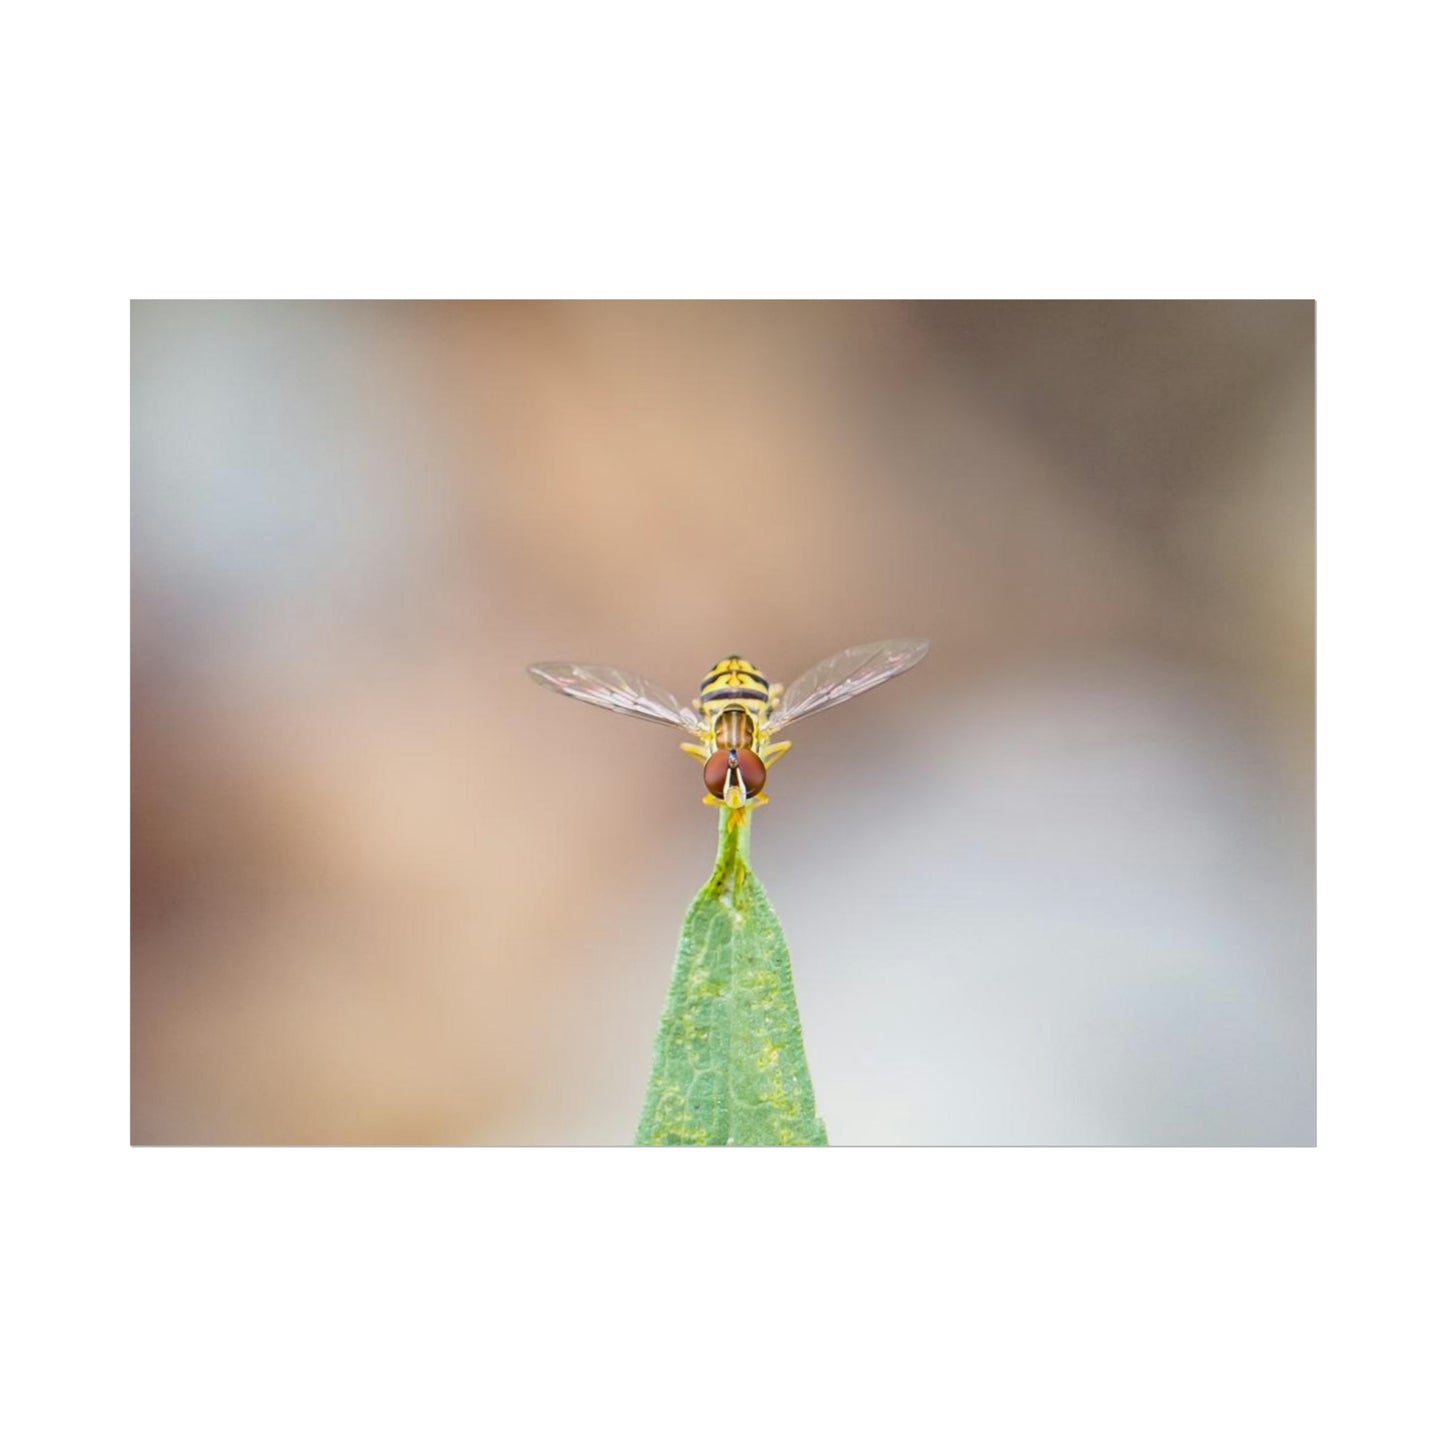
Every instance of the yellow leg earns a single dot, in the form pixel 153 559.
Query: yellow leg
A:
pixel 699 753
pixel 771 752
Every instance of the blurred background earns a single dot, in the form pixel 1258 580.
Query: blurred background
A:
pixel 1054 886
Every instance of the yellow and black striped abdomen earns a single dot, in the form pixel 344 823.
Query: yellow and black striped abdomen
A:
pixel 733 680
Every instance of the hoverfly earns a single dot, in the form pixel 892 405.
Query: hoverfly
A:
pixel 737 712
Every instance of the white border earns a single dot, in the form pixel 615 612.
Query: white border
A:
pixel 807 151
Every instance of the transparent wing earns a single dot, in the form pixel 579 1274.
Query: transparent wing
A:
pixel 845 675
pixel 618 691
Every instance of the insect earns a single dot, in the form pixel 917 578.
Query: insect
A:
pixel 737 712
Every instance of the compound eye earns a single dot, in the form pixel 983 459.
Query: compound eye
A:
pixel 751 771
pixel 715 772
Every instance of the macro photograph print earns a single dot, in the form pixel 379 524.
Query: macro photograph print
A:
pixel 1046 879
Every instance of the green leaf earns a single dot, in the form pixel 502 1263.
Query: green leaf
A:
pixel 729 1066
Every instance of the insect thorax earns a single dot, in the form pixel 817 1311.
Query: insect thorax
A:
pixel 733 728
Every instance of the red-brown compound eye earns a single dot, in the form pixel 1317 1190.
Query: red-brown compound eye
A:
pixel 715 772
pixel 751 771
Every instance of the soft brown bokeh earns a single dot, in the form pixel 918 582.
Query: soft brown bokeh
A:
pixel 1056 885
